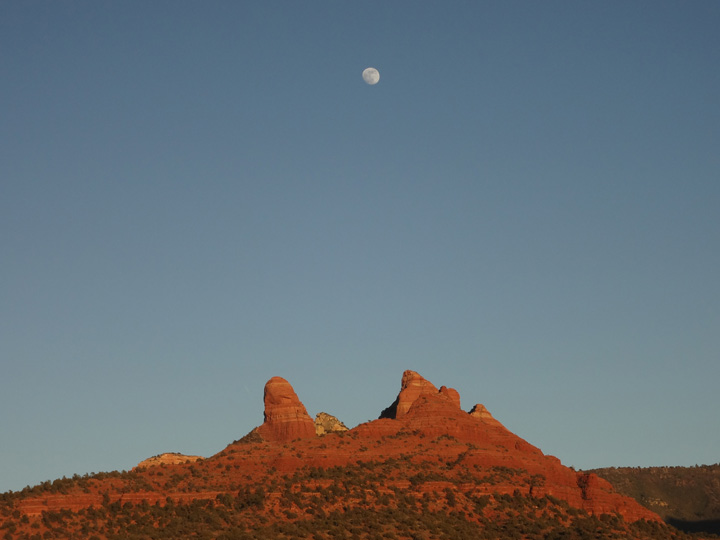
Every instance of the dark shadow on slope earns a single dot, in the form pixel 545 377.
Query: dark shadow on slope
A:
pixel 391 411
pixel 711 526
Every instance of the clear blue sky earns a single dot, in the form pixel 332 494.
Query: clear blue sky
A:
pixel 197 196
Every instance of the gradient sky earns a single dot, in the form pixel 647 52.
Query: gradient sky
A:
pixel 198 196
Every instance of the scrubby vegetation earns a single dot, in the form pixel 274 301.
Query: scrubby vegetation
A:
pixel 85 482
pixel 362 501
pixel 404 486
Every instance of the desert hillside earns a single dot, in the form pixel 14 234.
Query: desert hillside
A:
pixel 686 497
pixel 424 469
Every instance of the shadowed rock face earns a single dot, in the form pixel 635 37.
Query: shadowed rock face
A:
pixel 286 418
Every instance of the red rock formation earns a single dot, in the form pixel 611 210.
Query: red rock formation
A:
pixel 480 412
pixel 452 394
pixel 598 496
pixel 285 416
pixel 425 429
pixel 423 410
pixel 413 387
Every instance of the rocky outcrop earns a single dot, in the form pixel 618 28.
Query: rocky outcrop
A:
pixel 480 412
pixel 286 418
pixel 425 430
pixel 327 423
pixel 599 497
pixel 424 411
pixel 412 388
pixel 169 458
pixel 451 394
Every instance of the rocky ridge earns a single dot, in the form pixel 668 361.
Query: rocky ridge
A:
pixel 423 444
pixel 421 407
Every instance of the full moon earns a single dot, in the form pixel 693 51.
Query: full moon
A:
pixel 371 75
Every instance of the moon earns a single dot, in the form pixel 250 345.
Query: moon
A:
pixel 371 75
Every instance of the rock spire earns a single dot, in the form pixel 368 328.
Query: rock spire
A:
pixel 286 418
pixel 413 387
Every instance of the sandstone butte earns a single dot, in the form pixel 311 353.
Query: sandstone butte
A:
pixel 424 427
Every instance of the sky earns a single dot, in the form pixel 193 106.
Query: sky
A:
pixel 198 196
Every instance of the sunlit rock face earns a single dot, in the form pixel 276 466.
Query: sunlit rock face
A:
pixel 286 418
pixel 168 458
pixel 414 386
pixel 326 423
pixel 480 412
pixel 424 429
